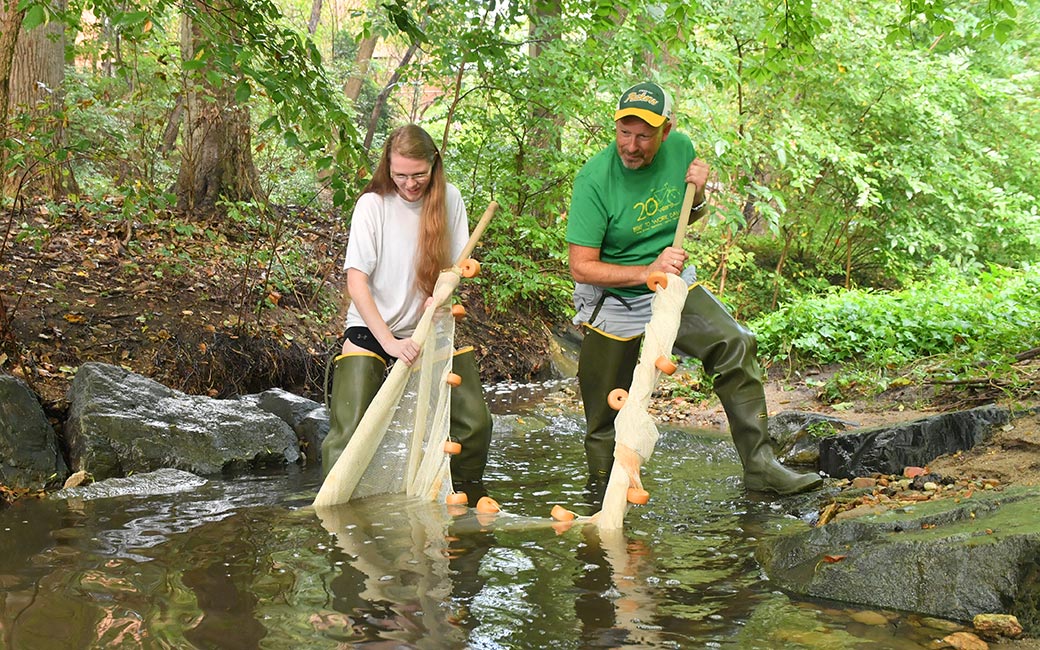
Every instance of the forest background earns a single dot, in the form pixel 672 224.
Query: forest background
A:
pixel 179 176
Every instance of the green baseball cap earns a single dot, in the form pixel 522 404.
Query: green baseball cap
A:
pixel 647 101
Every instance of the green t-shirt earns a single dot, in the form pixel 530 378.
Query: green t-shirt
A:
pixel 630 215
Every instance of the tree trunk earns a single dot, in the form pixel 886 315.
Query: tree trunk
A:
pixel 545 124
pixel 373 120
pixel 312 24
pixel 545 135
pixel 216 152
pixel 173 126
pixel 9 27
pixel 352 89
pixel 34 101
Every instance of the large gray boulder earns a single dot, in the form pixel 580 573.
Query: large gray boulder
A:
pixel 889 449
pixel 121 423
pixel 950 558
pixel 30 456
pixel 308 419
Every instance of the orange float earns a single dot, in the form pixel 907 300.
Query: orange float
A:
pixel 453 379
pixel 657 279
pixel 487 506
pixel 458 311
pixel 452 447
pixel 616 398
pixel 470 268
pixel 638 496
pixel 456 499
pixel 559 513
pixel 665 365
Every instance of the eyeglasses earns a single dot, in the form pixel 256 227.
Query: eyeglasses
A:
pixel 421 177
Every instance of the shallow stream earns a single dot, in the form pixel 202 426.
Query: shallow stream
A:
pixel 245 562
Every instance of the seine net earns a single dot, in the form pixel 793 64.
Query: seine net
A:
pixel 411 459
pixel 398 446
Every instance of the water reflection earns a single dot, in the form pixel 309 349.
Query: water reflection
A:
pixel 246 563
pixel 397 556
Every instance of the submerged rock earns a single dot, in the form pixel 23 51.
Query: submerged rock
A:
pixel 997 626
pixel 162 481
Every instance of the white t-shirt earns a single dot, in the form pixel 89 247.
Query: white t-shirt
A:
pixel 384 233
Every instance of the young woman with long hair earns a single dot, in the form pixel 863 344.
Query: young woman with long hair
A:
pixel 408 225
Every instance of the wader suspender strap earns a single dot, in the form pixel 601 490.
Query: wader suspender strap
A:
pixel 599 304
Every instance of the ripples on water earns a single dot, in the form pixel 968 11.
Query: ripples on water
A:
pixel 246 563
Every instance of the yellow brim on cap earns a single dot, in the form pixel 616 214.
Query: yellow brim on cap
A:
pixel 651 118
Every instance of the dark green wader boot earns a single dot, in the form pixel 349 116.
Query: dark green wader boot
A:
pixel 470 427
pixel 605 362
pixel 727 349
pixel 355 381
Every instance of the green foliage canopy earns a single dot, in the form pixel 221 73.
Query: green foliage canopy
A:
pixel 851 144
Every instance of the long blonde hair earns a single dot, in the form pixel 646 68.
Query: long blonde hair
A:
pixel 433 252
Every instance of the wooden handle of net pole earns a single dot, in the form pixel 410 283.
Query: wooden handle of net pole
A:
pixel 478 231
pixel 684 215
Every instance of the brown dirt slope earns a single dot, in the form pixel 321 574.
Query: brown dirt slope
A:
pixel 219 308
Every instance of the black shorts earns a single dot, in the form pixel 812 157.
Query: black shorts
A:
pixel 363 338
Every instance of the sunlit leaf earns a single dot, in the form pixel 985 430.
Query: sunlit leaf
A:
pixel 35 16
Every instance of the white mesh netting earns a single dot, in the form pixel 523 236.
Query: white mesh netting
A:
pixel 635 431
pixel 398 447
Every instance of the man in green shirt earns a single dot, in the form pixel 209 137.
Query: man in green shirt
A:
pixel 620 228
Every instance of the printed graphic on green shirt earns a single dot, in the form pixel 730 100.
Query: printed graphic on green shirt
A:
pixel 659 208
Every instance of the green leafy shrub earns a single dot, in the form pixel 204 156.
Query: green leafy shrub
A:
pixel 988 316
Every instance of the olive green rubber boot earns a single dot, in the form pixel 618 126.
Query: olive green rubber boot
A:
pixel 355 381
pixel 605 362
pixel 470 427
pixel 727 350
